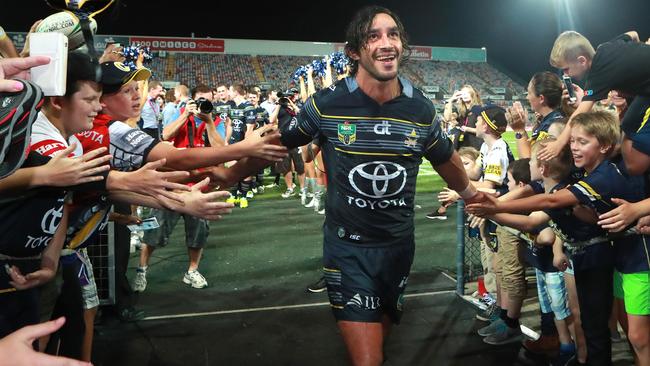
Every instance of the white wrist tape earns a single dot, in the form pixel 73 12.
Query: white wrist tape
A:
pixel 469 192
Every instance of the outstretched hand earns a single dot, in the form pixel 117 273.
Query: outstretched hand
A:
pixel 63 171
pixel 482 204
pixel 151 182
pixel 30 280
pixel 550 151
pixel 264 143
pixel 209 206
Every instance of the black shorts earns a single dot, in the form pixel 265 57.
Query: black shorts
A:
pixel 294 156
pixel 365 282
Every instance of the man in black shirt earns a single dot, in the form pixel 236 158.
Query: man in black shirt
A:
pixel 375 128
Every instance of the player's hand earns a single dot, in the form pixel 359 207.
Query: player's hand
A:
pixel 483 205
pixel 264 143
pixel 17 348
pixel 621 217
pixel 124 219
pixel 63 171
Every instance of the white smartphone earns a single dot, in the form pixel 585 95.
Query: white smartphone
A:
pixel 51 77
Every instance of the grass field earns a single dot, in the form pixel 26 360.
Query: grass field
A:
pixel 277 241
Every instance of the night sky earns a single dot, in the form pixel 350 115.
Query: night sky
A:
pixel 518 34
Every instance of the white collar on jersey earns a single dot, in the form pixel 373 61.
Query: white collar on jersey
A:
pixel 407 87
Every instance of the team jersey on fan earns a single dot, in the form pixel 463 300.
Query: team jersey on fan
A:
pixel 541 130
pixel 28 223
pixel 129 148
pixel 240 117
pixel 596 189
pixel 494 163
pixel 372 153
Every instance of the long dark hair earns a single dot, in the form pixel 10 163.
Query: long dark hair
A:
pixel 356 36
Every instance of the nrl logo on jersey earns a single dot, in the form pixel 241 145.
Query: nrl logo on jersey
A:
pixel 347 132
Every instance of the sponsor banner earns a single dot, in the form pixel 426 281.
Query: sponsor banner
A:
pixel 498 90
pixel 102 40
pixel 515 97
pixel 431 88
pixel 421 53
pixel 496 97
pixel 173 44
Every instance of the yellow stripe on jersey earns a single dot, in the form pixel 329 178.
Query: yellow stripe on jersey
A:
pixel 87 230
pixel 368 118
pixel 645 119
pixel 370 153
pixel 434 143
pixel 591 191
pixel 331 270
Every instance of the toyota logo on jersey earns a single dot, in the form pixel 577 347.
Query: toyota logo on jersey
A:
pixel 378 179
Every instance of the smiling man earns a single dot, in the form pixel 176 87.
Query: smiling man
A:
pixel 375 129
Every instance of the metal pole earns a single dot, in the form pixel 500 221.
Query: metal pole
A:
pixel 460 248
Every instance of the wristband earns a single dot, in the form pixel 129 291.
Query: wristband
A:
pixel 469 192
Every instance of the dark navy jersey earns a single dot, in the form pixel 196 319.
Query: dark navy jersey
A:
pixel 372 153
pixel 541 130
pixel 28 223
pixel 575 230
pixel 635 124
pixel 240 117
pixel 610 180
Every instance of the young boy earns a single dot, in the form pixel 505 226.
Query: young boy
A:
pixel 551 287
pixel 620 64
pixel 593 139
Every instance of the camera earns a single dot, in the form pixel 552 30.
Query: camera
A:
pixel 283 99
pixel 204 105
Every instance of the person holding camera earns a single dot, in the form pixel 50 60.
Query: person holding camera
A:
pixel 285 116
pixel 197 131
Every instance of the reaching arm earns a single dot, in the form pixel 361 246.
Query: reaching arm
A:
pixel 538 202
pixel 636 161
pixel 524 223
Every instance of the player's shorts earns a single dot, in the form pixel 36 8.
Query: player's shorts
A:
pixel 366 282
pixel 196 229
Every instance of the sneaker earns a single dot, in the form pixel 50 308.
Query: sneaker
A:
pixel 616 336
pixel 318 286
pixel 436 215
pixel 272 185
pixel 490 314
pixel 303 196
pixel 260 190
pixel 140 280
pixel 250 194
pixel 504 335
pixel 254 190
pixel 243 202
pixel 321 211
pixel 232 199
pixel 312 202
pixel 546 344
pixel 492 328
pixel 288 193
pixel 195 279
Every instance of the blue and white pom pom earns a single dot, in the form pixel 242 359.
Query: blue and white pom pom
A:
pixel 339 61
pixel 131 55
pixel 319 67
pixel 300 71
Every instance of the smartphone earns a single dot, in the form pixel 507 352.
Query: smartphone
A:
pixel 569 87
pixel 51 77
